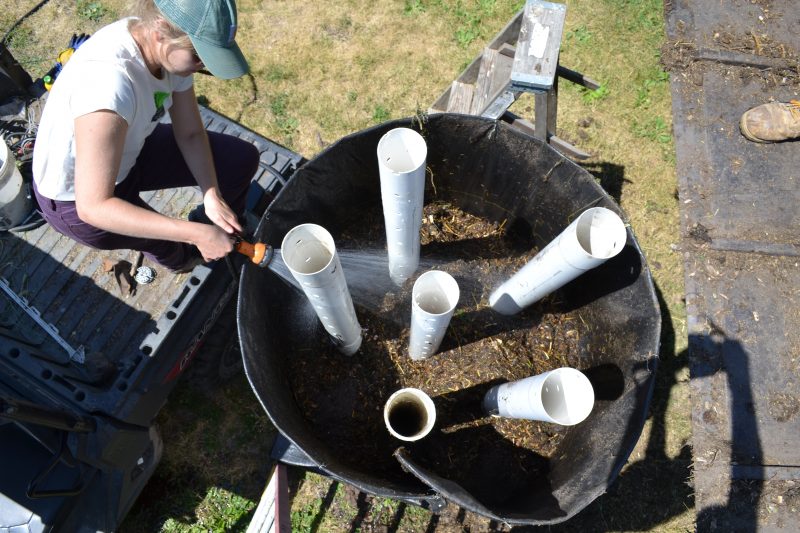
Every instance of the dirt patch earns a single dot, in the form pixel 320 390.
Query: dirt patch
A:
pixel 783 407
pixel 758 44
pixel 755 56
pixel 343 398
pixel 780 503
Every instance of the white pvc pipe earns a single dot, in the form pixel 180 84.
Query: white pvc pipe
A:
pixel 597 235
pixel 563 396
pixel 310 254
pixel 15 204
pixel 409 414
pixel 433 301
pixel 402 154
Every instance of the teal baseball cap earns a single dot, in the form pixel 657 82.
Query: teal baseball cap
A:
pixel 211 26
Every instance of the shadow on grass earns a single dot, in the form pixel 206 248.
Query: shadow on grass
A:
pixel 216 458
pixel 611 177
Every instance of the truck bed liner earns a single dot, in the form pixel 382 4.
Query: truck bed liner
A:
pixel 68 285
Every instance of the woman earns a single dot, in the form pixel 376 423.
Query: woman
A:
pixel 101 140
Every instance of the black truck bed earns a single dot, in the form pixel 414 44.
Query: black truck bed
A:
pixel 68 285
pixel 134 347
pixel 66 281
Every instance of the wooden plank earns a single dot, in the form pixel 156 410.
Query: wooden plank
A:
pixel 264 516
pixel 559 144
pixel 283 520
pixel 484 84
pixel 502 72
pixel 272 514
pixel 493 79
pixel 507 50
pixel 460 97
pixel 508 35
pixel 500 105
pixel 536 57
pixel 440 105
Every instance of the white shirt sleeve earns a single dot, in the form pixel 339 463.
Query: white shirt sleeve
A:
pixel 105 88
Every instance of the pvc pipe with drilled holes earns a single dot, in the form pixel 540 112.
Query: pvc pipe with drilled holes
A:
pixel 563 396
pixel 310 254
pixel 433 301
pixel 597 235
pixel 402 155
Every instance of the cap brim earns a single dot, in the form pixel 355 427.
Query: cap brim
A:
pixel 225 63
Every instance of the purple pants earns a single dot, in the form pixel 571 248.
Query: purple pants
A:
pixel 160 165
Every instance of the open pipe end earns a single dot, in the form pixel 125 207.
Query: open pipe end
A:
pixel 409 414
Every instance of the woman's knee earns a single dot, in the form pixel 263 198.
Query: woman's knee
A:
pixel 234 156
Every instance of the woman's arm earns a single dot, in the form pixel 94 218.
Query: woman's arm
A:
pixel 99 140
pixel 190 134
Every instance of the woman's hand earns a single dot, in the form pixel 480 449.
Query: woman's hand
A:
pixel 220 213
pixel 212 242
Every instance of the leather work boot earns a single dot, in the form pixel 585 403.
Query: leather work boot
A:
pixel 772 122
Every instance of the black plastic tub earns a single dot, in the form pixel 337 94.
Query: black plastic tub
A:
pixel 493 171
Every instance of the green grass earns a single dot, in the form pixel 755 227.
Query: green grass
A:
pixel 92 11
pixel 287 125
pixel 214 467
pixel 591 96
pixel 380 114
pixel 224 510
pixel 21 37
pixel 303 519
pixel 580 36
pixel 654 83
pixel 277 72
pixel 413 7
pixel 653 129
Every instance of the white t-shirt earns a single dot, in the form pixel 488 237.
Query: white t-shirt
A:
pixel 106 72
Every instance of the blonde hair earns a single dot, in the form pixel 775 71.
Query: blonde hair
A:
pixel 151 18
